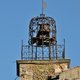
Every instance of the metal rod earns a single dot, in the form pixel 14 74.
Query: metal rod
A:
pixel 32 44
pixel 42 6
pixel 22 50
pixel 56 50
pixel 49 48
pixel 36 54
pixel 36 46
pixel 56 44
pixel 64 50
pixel 42 34
pixel 42 41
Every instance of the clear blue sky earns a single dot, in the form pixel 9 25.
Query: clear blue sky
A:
pixel 14 20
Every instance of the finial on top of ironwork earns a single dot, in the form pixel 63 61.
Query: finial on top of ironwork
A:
pixel 43 6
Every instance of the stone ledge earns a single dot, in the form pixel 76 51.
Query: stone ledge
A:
pixel 42 61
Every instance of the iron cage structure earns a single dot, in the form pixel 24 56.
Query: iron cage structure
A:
pixel 42 43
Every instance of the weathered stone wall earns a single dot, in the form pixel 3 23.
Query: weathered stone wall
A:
pixel 36 72
pixel 40 70
pixel 71 74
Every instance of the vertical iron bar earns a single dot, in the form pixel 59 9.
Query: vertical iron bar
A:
pixel 53 50
pixel 56 50
pixel 49 48
pixel 32 50
pixel 32 41
pixel 64 50
pixel 53 43
pixel 36 54
pixel 42 41
pixel 42 6
pixel 56 43
pixel 22 50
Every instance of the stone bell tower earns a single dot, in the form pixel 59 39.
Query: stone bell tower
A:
pixel 42 58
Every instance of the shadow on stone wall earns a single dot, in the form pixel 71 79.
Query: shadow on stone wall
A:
pixel 53 78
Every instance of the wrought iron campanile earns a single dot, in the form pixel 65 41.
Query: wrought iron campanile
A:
pixel 42 43
pixel 42 32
